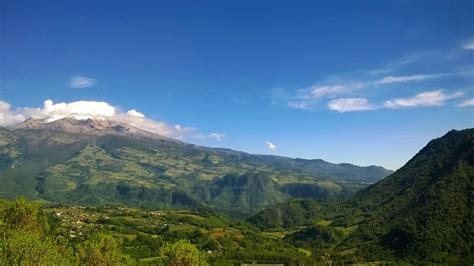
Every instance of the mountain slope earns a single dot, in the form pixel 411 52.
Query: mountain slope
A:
pixel 99 161
pixel 424 210
pixel 295 213
pixel 421 213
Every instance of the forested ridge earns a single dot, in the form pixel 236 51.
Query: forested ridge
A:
pixel 421 213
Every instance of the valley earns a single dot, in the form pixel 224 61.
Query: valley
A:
pixel 144 232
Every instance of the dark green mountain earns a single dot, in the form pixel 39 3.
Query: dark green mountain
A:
pixel 424 211
pixel 421 213
pixel 103 162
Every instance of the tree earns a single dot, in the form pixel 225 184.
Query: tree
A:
pixel 102 250
pixel 183 253
pixel 26 248
pixel 21 215
pixel 23 240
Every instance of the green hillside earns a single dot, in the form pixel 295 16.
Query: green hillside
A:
pixel 96 162
pixel 424 210
pixel 296 212
pixel 421 213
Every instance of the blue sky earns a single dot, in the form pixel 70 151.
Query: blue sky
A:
pixel 365 82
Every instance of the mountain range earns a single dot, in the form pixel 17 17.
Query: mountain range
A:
pixel 101 161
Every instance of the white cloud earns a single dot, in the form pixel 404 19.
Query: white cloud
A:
pixel 350 105
pixel 302 105
pixel 350 83
pixel 467 103
pixel 158 127
pixel 428 98
pixel 307 98
pixel 133 112
pixel 399 79
pixel 319 91
pixel 270 145
pixel 80 110
pixel 91 109
pixel 7 116
pixel 216 136
pixel 469 45
pixel 82 82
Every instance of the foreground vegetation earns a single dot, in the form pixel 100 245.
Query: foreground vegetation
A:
pixel 33 235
